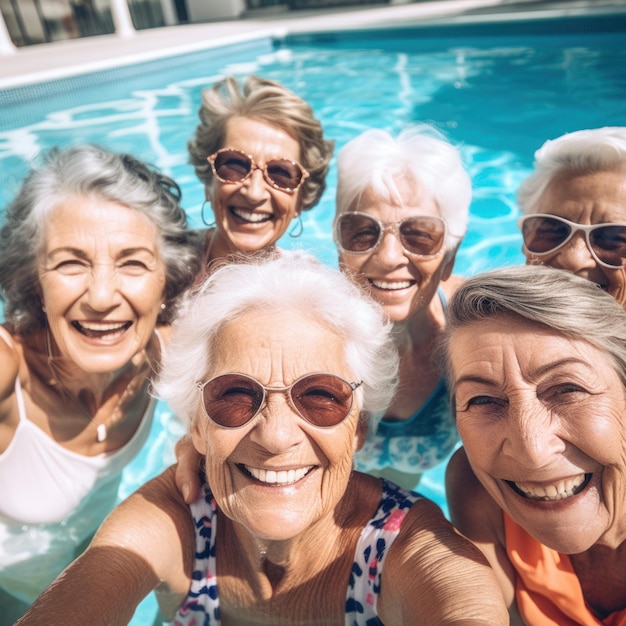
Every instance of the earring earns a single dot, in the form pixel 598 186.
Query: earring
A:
pixel 299 226
pixel 163 306
pixel 203 218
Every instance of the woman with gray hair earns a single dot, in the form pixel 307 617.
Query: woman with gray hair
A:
pixel 574 206
pixel 536 364
pixel 94 252
pixel 263 159
pixel 402 211
pixel 277 365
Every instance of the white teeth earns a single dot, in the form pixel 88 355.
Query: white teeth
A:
pixel 397 284
pixel 281 477
pixel 557 491
pixel 250 216
pixel 103 326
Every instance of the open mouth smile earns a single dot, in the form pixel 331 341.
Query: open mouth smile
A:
pixel 279 477
pixel 391 285
pixel 101 330
pixel 560 490
pixel 250 216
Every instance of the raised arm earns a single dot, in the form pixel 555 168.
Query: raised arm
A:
pixel 477 516
pixel 146 543
pixel 433 575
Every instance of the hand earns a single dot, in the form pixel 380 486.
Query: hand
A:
pixel 188 469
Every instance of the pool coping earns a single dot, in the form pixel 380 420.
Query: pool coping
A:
pixel 48 62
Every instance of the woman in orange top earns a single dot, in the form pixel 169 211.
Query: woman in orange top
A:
pixel 536 362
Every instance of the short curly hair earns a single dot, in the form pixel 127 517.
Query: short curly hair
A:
pixel 87 170
pixel 269 102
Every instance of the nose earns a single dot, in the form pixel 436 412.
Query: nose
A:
pixel 390 251
pixel 531 437
pixel 279 428
pixel 102 293
pixel 575 255
pixel 255 188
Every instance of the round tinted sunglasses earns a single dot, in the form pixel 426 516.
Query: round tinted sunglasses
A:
pixel 321 399
pixel 359 233
pixel 234 166
pixel 544 234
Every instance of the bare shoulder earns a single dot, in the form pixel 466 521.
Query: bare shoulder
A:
pixel 452 284
pixel 10 362
pixel 435 575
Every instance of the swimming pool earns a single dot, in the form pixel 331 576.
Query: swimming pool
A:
pixel 497 90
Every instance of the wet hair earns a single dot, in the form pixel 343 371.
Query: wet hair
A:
pixel 561 302
pixel 375 159
pixel 269 102
pixel 296 282
pixel 88 171
pixel 581 152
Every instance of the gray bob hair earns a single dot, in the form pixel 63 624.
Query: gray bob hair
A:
pixel 88 171
pixel 292 281
pixel 558 300
pixel 580 152
pixel 269 102
pixel 421 153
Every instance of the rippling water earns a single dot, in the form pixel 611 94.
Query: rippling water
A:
pixel 498 98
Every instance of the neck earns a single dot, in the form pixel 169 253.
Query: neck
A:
pixel 420 329
pixel 220 249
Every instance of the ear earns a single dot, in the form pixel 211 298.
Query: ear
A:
pixel 449 262
pixel 198 435
pixel 360 434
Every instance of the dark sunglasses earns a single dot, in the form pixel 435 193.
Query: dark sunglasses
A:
pixel 234 166
pixel 544 234
pixel 359 233
pixel 321 399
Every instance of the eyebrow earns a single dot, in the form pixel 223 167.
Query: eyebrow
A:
pixel 540 371
pixel 81 253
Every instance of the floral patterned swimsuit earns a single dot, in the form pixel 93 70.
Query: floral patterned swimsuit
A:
pixel 201 607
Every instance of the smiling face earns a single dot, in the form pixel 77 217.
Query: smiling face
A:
pixel 401 282
pixel 541 417
pixel 277 475
pixel 597 198
pixel 102 282
pixel 252 215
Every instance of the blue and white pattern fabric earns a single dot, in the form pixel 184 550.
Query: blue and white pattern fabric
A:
pixel 201 607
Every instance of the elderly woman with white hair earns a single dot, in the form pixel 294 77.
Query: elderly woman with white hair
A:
pixel 402 211
pixel 278 366
pixel 574 206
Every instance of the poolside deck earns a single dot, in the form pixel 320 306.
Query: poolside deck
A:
pixel 65 58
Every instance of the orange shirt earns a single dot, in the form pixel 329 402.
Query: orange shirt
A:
pixel 547 591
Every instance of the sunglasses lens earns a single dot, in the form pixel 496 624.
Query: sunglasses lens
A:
pixel 422 235
pixel 322 399
pixel 609 244
pixel 543 234
pixel 357 232
pixel 284 173
pixel 232 166
pixel 232 400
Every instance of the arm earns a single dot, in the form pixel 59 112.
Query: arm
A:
pixel 433 575
pixel 146 543
pixel 474 512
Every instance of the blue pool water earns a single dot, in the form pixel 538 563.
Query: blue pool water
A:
pixel 498 91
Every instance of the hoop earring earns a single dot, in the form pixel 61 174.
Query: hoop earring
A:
pixel 212 224
pixel 299 226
